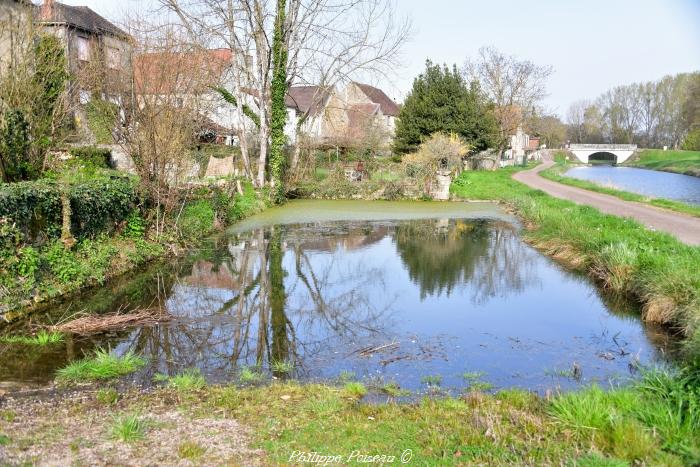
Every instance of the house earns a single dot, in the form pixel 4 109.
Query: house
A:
pixel 357 115
pixel 98 53
pixel 522 148
pixel 187 79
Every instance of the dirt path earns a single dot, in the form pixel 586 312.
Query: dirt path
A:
pixel 686 228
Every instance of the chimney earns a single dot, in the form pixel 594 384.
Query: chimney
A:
pixel 47 7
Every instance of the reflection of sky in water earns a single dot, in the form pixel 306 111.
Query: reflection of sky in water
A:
pixel 456 296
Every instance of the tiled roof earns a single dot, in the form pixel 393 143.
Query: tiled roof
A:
pixel 80 17
pixel 388 106
pixel 311 99
pixel 167 73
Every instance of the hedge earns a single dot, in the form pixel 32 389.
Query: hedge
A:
pixel 97 206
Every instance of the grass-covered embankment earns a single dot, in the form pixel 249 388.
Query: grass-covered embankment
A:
pixel 656 421
pixel 625 257
pixel 682 162
pixel 556 174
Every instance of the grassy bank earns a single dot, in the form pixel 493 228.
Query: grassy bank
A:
pixel 33 275
pixel 682 162
pixel 556 174
pixel 651 267
pixel 654 422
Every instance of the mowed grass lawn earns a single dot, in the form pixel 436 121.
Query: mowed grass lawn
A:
pixel 684 162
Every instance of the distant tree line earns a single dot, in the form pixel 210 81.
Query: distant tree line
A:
pixel 651 114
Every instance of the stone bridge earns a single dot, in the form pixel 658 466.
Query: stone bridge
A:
pixel 610 153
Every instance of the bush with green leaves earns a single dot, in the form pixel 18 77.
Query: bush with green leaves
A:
pixel 97 206
pixel 197 218
pixel 93 156
pixel 14 147
pixel 692 141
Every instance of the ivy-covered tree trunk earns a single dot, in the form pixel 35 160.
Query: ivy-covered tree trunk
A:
pixel 278 117
pixel 66 213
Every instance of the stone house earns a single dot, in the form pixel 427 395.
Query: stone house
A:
pixel 98 53
pixel 357 115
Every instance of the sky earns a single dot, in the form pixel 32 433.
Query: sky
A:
pixel 593 45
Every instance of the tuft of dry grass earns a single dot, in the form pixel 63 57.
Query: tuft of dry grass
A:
pixel 660 309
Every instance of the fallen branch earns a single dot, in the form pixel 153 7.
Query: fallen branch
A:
pixel 367 351
pixel 95 324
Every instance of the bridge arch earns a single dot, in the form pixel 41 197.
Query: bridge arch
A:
pixel 602 157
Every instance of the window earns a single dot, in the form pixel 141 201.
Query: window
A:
pixel 113 58
pixel 83 49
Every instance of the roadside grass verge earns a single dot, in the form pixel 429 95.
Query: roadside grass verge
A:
pixel 556 174
pixel 651 267
pixel 102 366
pixel 683 162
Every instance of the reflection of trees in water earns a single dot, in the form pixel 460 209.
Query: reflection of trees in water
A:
pixel 254 307
pixel 485 255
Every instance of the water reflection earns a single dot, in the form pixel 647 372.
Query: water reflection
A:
pixel 485 255
pixel 451 295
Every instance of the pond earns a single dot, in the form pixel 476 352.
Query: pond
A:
pixel 683 188
pixel 420 294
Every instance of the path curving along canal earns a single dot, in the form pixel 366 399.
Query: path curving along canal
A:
pixel 684 227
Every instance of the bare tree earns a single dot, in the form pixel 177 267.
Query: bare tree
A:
pixel 515 86
pixel 576 118
pixel 324 42
pixel 163 110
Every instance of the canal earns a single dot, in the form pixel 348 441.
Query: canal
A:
pixel 683 188
pixel 417 294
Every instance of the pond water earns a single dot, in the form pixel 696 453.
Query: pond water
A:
pixel 653 183
pixel 392 292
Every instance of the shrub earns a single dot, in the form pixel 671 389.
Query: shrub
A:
pixel 692 141
pixel 135 225
pixel 197 219
pixel 93 156
pixel 14 147
pixel 439 152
